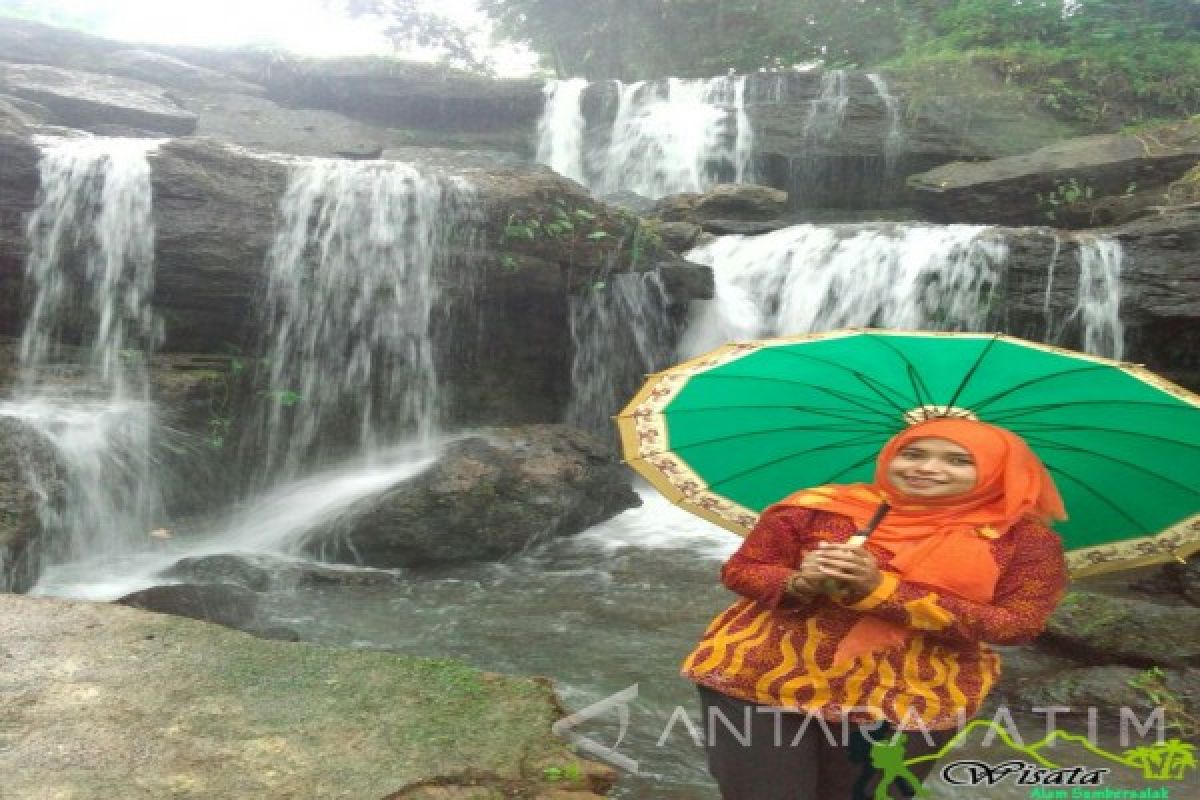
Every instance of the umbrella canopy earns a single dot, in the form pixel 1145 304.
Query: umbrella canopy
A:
pixel 728 433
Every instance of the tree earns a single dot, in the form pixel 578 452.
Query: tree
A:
pixel 408 25
pixel 634 39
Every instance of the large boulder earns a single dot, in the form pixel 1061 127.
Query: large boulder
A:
pixel 32 487
pixel 88 100
pixel 221 603
pixel 1042 186
pixel 106 701
pixel 486 498
pixel 740 202
pixel 214 217
pixel 1110 689
pixel 1100 629
pixel 164 70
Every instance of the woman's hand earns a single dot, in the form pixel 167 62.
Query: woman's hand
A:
pixel 854 569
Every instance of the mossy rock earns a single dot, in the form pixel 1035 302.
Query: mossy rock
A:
pixel 107 701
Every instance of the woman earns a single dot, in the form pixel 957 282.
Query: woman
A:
pixel 884 637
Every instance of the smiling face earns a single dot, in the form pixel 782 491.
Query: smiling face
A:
pixel 932 467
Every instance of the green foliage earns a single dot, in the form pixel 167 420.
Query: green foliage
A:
pixel 1153 683
pixel 1065 193
pixel 559 223
pixel 1103 62
pixel 568 772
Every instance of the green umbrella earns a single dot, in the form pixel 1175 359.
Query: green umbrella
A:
pixel 728 433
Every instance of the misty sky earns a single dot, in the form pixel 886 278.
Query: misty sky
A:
pixel 308 27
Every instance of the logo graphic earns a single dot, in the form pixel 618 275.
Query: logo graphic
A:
pixel 620 701
pixel 1167 760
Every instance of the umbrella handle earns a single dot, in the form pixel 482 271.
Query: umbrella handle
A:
pixel 829 585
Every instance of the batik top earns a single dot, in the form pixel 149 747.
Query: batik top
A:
pixel 773 649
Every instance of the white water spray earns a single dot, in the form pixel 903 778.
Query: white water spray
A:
pixel 82 383
pixel 349 300
pixel 808 278
pixel 666 136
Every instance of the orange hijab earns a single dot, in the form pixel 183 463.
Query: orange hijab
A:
pixel 942 542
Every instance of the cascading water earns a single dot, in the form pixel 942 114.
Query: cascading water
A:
pixel 348 309
pixel 666 136
pixel 91 261
pixel 1098 303
pixel 560 129
pixel 627 315
pixel 808 278
pixel 828 108
pixel 893 140
pixel 82 383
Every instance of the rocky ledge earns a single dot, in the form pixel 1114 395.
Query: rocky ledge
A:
pixel 106 701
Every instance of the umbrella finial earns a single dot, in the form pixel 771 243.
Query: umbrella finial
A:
pixel 926 412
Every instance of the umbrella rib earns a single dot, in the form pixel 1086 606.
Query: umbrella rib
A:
pixel 987 401
pixel 679 449
pixel 853 399
pixel 974 368
pixel 1051 445
pixel 859 376
pixel 832 446
pixel 918 384
pixel 1122 512
pixel 1060 428
pixel 1020 411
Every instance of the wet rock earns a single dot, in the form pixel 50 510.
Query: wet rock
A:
pixel 739 202
pixel 84 99
pixel 1109 689
pixel 18 197
pixel 214 213
pixel 1173 581
pixel 1038 187
pixel 630 201
pixel 726 227
pixel 260 572
pixel 685 281
pixel 171 702
pixel 1098 629
pixel 225 568
pixel 679 236
pixel 32 482
pixel 486 498
pixel 165 70
pixel 224 604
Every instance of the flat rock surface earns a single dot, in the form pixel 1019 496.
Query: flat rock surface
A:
pixel 98 700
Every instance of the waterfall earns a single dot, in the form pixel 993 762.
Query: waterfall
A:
pixel 624 315
pixel 809 278
pixel 666 136
pixel 560 129
pixel 1098 298
pixel 350 296
pixel 893 139
pixel 828 108
pixel 82 382
pixel 91 260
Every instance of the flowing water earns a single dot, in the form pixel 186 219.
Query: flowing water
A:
pixel 81 378
pixel 347 311
pixel 819 277
pixel 665 136
pixel 625 314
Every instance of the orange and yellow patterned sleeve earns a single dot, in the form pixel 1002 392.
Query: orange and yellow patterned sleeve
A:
pixel 769 555
pixel 1026 594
